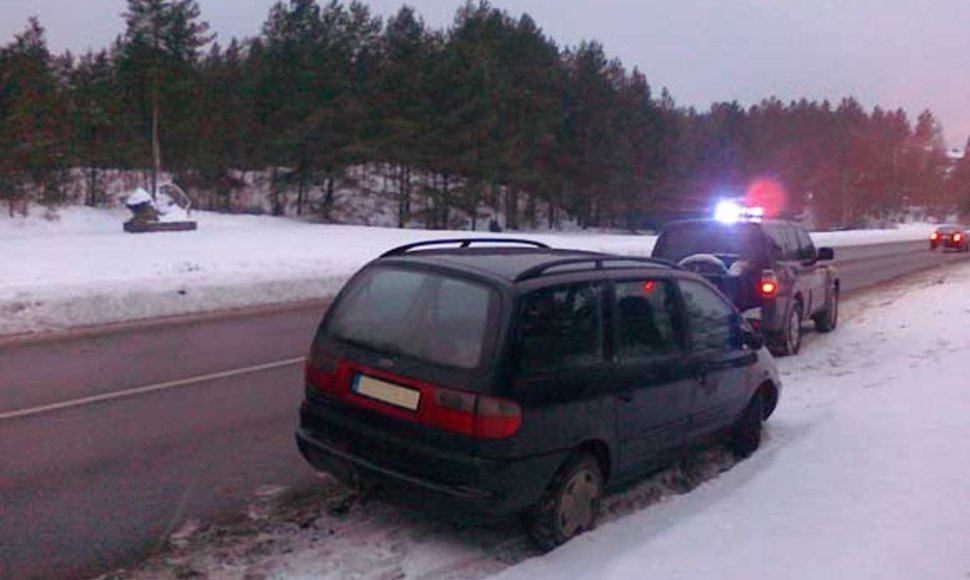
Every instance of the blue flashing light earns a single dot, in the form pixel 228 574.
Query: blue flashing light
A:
pixel 730 212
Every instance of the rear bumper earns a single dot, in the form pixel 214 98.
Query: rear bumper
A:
pixel 419 475
pixel 948 245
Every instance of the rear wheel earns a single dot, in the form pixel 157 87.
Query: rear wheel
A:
pixel 746 435
pixel 570 505
pixel 789 340
pixel 827 320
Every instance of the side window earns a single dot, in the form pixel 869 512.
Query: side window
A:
pixel 561 326
pixel 779 246
pixel 806 249
pixel 644 318
pixel 712 322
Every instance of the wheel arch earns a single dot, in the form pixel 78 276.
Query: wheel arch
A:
pixel 600 450
pixel 769 393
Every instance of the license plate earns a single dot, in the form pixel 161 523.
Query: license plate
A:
pixel 387 392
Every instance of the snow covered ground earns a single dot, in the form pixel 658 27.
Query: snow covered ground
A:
pixel 863 474
pixel 80 269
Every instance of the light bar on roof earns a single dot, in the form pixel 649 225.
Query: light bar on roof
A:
pixel 730 212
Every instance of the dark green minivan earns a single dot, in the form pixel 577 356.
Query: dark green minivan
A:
pixel 492 377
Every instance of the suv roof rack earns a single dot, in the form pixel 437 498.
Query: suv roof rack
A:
pixel 599 262
pixel 462 243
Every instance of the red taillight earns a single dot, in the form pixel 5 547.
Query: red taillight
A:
pixel 441 408
pixel 935 236
pixel 321 371
pixel 496 418
pixel 470 414
pixel 451 411
pixel 769 284
pixel 957 237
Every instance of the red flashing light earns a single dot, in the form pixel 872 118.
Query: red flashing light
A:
pixel 649 286
pixel 769 194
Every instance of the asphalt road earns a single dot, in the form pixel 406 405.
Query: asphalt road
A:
pixel 110 440
pixel 106 447
pixel 863 266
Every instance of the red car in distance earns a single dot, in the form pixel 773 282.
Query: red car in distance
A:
pixel 950 237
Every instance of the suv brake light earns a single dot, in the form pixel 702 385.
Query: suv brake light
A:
pixel 769 284
pixel 935 236
pixel 957 237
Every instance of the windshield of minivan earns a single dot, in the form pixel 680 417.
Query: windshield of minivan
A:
pixel 678 242
pixel 433 317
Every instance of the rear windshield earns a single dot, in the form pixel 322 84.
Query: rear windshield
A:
pixel 682 240
pixel 433 317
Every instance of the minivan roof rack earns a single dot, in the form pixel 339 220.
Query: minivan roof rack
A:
pixel 462 243
pixel 600 262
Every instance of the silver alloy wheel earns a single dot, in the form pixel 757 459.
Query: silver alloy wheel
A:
pixel 577 506
pixel 794 329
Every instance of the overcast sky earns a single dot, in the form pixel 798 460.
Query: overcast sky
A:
pixel 913 54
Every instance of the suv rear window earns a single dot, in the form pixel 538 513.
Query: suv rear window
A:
pixel 682 240
pixel 429 316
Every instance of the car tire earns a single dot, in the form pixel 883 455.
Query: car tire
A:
pixel 789 340
pixel 746 434
pixel 828 319
pixel 570 505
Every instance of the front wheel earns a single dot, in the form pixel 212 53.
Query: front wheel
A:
pixel 746 435
pixel 570 505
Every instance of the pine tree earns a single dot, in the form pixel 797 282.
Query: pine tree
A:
pixel 402 102
pixel 95 112
pixel 159 53
pixel 32 120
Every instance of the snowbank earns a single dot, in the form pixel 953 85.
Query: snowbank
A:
pixel 78 268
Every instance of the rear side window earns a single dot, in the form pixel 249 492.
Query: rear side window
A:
pixel 806 248
pixel 778 246
pixel 561 326
pixel 713 323
pixel 433 317
pixel 644 315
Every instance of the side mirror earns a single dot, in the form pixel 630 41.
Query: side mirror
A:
pixel 752 338
pixel 826 254
pixel 749 335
